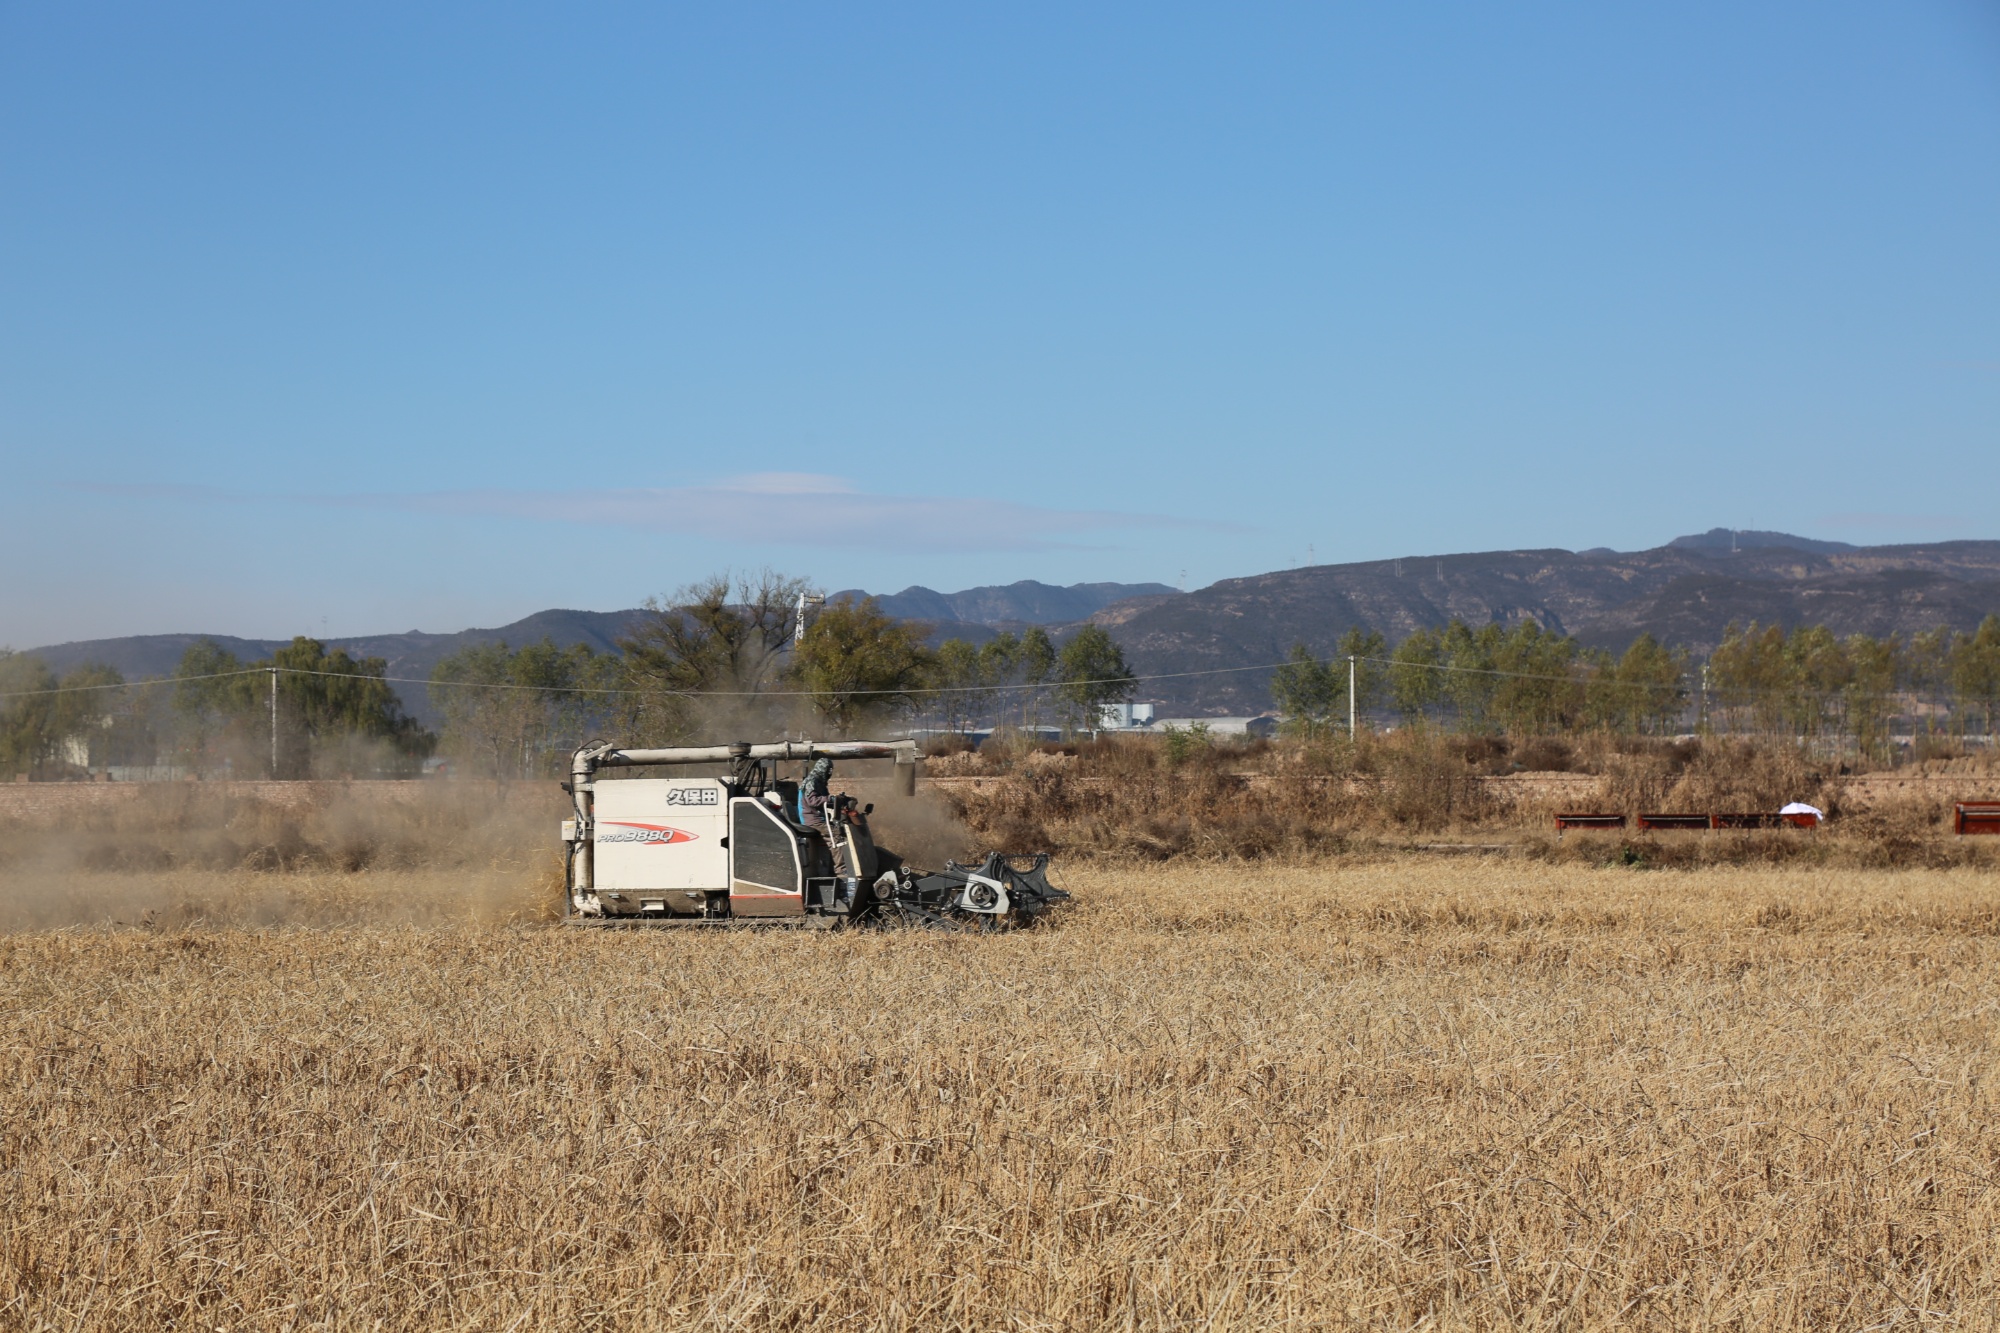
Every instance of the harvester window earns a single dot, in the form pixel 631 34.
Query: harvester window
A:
pixel 764 850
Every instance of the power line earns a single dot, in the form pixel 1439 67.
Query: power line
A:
pixel 135 684
pixel 801 694
pixel 610 689
pixel 1683 683
pixel 1727 692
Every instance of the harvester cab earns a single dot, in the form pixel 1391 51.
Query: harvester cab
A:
pixel 687 850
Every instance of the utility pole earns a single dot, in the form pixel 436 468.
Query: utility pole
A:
pixel 274 722
pixel 1353 705
pixel 799 626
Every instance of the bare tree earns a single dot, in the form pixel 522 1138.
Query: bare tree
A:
pixel 704 658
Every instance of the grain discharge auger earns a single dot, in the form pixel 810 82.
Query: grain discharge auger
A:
pixel 710 850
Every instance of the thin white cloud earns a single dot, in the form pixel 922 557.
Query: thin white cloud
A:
pixel 782 508
pixel 787 483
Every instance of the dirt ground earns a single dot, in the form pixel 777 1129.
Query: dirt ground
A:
pixel 1458 1092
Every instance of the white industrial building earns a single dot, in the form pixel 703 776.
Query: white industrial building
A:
pixel 1143 719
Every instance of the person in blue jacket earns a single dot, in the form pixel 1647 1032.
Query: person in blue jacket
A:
pixel 814 799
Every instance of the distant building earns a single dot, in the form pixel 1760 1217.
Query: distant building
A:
pixel 1125 717
pixel 1144 720
pixel 1264 724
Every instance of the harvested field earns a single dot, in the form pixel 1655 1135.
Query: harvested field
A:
pixel 1474 1093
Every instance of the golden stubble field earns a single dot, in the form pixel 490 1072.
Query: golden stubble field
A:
pixel 1435 1092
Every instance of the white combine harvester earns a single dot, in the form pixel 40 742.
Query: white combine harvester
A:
pixel 705 850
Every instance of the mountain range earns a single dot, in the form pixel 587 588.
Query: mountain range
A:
pixel 1685 593
pixel 979 613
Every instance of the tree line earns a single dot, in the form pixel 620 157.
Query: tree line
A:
pixel 1805 682
pixel 310 710
pixel 721 659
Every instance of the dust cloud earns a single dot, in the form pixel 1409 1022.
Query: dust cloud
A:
pixel 309 854
pixel 921 831
pixel 335 854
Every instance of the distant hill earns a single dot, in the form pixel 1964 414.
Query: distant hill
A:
pixel 1017 604
pixel 976 613
pixel 1741 539
pixel 1685 593
pixel 410 655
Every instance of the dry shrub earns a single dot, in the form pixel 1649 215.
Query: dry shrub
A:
pixel 948 745
pixel 1544 754
pixel 1640 772
pixel 1146 810
pixel 1404 1094
pixel 1424 781
pixel 1724 774
pixel 957 764
pixel 1134 797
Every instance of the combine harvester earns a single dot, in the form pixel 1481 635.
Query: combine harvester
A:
pixel 687 851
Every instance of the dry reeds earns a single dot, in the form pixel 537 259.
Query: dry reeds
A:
pixel 1128 799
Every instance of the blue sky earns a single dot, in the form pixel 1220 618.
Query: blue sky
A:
pixel 372 317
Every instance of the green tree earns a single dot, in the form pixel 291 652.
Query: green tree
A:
pixel 1311 693
pixel 1090 673
pixel 1416 685
pixel 1642 692
pixel 212 703
pixel 1749 678
pixel 856 662
pixel 1973 670
pixel 336 713
pixel 50 725
pixel 1818 673
pixel 1470 685
pixel 27 714
pixel 1034 664
pixel 1537 691
pixel 1927 670
pixel 1874 667
pixel 999 659
pixel 964 685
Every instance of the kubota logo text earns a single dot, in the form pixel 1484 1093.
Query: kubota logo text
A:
pixel 659 835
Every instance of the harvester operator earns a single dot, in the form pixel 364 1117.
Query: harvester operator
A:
pixel 814 802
